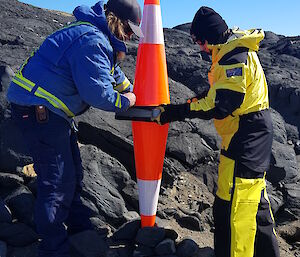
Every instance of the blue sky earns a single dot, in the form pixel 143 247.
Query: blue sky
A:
pixel 280 17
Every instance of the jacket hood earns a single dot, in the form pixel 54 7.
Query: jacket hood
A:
pixel 240 38
pixel 96 16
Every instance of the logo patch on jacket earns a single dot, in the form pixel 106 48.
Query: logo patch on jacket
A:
pixel 234 72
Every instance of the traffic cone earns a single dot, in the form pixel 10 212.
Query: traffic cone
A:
pixel 151 89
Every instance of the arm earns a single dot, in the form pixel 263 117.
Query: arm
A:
pixel 224 97
pixel 122 85
pixel 91 73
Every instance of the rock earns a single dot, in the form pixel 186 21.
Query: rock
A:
pixel 103 177
pixel 9 182
pixel 100 227
pixel 27 251
pixel 292 201
pixel 190 222
pixel 189 148
pixel 21 204
pixel 5 213
pixel 165 247
pixel 290 232
pixel 143 251
pixel 89 244
pixel 150 236
pixel 284 165
pixel 17 234
pixel 187 248
pixel 206 252
pixel 171 233
pixel 13 150
pixel 6 74
pixel 127 231
pixel 3 249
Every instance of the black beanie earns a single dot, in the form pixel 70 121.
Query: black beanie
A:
pixel 208 25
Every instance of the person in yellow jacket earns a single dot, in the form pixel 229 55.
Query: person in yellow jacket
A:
pixel 238 102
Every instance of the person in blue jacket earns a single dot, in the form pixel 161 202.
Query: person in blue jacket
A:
pixel 74 68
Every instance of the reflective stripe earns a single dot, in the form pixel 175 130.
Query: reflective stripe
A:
pixel 118 101
pixel 112 71
pixel 40 92
pixel 53 100
pixel 22 84
pixel 152 25
pixel 148 196
pixel 123 86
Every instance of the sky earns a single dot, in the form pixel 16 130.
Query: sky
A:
pixel 278 16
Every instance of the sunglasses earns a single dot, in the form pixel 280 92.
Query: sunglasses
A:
pixel 128 31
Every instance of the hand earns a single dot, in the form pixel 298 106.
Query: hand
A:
pixel 171 112
pixel 131 97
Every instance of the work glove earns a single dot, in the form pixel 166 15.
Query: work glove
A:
pixel 171 112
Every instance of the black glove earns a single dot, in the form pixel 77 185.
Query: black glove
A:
pixel 171 112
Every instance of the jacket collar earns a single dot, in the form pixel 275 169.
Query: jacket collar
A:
pixel 96 16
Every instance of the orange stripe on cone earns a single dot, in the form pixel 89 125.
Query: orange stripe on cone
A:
pixel 149 155
pixel 148 221
pixel 157 2
pixel 151 89
pixel 152 84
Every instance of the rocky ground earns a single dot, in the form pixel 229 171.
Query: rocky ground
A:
pixel 190 168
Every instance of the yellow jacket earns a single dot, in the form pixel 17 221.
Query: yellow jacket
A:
pixel 234 74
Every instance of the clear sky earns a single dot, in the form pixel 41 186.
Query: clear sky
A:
pixel 278 16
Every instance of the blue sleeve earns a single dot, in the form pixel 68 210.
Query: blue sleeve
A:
pixel 122 82
pixel 90 67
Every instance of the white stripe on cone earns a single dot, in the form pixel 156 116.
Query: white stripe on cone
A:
pixel 153 32
pixel 148 196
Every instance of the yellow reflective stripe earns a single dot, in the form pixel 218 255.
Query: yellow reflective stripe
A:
pixel 112 70
pixel 40 92
pixel 123 86
pixel 22 84
pixel 118 101
pixel 24 80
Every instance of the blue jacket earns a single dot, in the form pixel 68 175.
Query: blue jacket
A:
pixel 76 65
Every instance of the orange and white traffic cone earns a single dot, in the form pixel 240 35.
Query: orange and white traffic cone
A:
pixel 152 89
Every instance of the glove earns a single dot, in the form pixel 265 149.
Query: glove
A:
pixel 171 112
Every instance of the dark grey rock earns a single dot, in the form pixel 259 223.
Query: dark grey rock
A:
pixel 284 166
pixel 17 234
pixel 189 148
pixel 13 150
pixel 143 251
pixel 5 213
pixel 187 248
pixel 166 247
pixel 9 182
pixel 21 203
pixel 150 236
pixel 88 244
pixel 103 177
pixel 292 192
pixel 171 234
pixel 6 74
pixel 206 252
pixel 100 227
pixel 127 231
pixel 190 222
pixel 3 249
pixel 26 251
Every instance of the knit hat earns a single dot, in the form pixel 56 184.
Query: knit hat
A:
pixel 208 25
